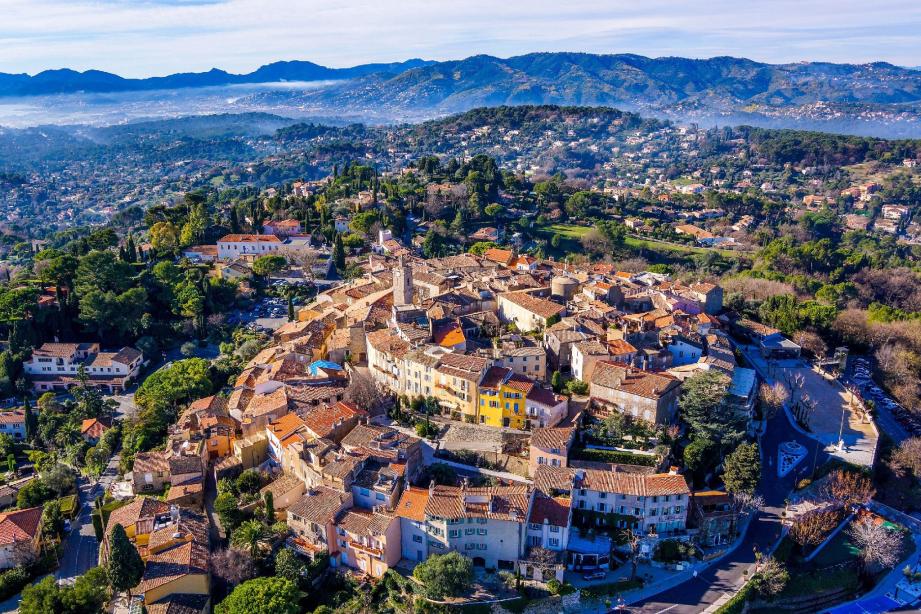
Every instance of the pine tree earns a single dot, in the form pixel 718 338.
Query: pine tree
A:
pixel 124 567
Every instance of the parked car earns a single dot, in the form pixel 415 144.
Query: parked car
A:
pixel 595 575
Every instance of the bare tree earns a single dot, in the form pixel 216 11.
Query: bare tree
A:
pixel 879 546
pixel 907 458
pixel 848 488
pixel 813 527
pixel 772 397
pixel 233 566
pixel 366 394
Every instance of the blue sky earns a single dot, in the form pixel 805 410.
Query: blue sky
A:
pixel 138 38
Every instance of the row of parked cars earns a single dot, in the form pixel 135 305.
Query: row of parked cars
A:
pixel 869 390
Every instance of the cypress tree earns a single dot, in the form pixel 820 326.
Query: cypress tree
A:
pixel 339 253
pixel 124 567
pixel 290 308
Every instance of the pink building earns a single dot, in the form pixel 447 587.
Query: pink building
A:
pixel 368 541
pixel 550 446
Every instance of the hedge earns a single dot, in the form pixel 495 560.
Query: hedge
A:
pixel 614 456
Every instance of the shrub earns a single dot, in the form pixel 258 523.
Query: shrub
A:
pixel 614 456
pixel 554 586
pixel 13 581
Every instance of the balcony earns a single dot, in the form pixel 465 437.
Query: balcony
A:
pixel 373 552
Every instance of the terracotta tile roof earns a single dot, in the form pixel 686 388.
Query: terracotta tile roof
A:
pixel 379 441
pixel 151 462
pixel 284 484
pixel 538 306
pixel 359 522
pixel 544 396
pixel 494 377
pixel 591 348
pixel 285 426
pixel 463 365
pixel 494 254
pixel 552 438
pixel 13 416
pixel 388 342
pixel 243 238
pixel 412 503
pixel 64 350
pixel 554 510
pixel 262 404
pixel 493 502
pixel 141 508
pixel 190 526
pixel 184 463
pixel 19 525
pixel 633 381
pixel 324 420
pixel 618 347
pixel 320 505
pixel 549 478
pixel 179 603
pixel 190 558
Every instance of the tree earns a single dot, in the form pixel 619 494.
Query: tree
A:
pixel 124 566
pixel 709 410
pixel 164 237
pixel 907 458
pixel 772 398
pixel 879 545
pixel 556 381
pixel 233 565
pixel 289 566
pixel 269 501
pixel 479 248
pixel 848 488
pixel 248 535
pixel 338 253
pixel 52 522
pixel 699 455
pixel 742 469
pixel 444 575
pixel 366 394
pixel 290 308
pixel 771 577
pixel 577 387
pixel 264 266
pixel 272 595
pixel 228 511
pixel 89 594
pixel 33 494
pixel 811 528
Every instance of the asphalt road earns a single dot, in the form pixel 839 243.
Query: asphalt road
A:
pixel 725 576
pixel 81 549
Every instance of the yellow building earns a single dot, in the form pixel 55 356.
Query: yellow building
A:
pixel 456 379
pixel 502 398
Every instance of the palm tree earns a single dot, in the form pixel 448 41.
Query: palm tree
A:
pixel 248 535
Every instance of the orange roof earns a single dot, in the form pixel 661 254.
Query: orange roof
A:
pixel 449 336
pixel 286 426
pixel 249 239
pixel 412 503
pixel 494 254
pixel 20 525
pixel 93 427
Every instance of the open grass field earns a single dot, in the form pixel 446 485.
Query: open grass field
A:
pixel 572 234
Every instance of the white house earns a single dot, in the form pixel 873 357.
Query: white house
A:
pixel 56 366
pixel 231 247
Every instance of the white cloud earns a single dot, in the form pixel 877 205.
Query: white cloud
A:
pixel 141 38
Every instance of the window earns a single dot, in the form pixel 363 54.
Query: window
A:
pixel 601 507
pixel 417 539
pixel 454 533
pixel 469 531
pixel 554 542
pixel 676 509
pixel 481 531
pixel 380 497
pixel 554 528
pixel 481 546
pixel 602 495
pixel 534 526
pixel 653 512
pixel 541 460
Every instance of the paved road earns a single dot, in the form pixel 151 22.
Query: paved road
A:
pixel 725 576
pixel 81 549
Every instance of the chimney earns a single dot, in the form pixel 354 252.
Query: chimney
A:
pixel 431 488
pixel 673 470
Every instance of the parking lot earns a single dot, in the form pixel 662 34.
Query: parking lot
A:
pixel 898 421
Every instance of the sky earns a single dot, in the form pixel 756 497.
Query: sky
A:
pixel 140 38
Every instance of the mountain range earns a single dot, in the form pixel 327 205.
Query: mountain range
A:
pixel 67 81
pixel 876 99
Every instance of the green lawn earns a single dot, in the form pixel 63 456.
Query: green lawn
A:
pixel 567 231
pixel 839 550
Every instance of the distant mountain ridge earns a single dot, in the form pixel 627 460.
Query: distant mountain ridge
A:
pixel 587 79
pixel 66 81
